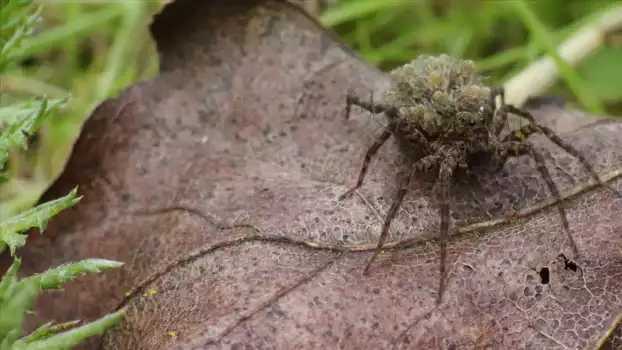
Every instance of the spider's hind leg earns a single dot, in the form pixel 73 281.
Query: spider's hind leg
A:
pixel 535 127
pixel 519 148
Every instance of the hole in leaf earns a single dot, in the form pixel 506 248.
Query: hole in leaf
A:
pixel 545 276
pixel 569 264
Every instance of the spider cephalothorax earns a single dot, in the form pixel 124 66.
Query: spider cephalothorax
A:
pixel 438 105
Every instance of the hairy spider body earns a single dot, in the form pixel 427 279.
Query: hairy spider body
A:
pixel 439 105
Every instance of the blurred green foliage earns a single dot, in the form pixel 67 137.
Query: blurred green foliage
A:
pixel 92 50
pixel 87 50
pixel 18 121
pixel 503 37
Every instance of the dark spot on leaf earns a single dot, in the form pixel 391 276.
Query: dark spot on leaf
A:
pixel 204 116
pixel 538 290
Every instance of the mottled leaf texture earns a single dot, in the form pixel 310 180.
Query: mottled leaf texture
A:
pixel 217 183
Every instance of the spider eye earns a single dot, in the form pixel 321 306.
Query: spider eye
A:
pixel 472 122
pixel 481 109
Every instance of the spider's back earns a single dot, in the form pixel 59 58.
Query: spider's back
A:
pixel 435 93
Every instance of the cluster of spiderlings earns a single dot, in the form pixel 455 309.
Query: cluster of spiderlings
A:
pixel 432 89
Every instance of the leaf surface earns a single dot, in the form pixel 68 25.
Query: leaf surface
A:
pixel 216 183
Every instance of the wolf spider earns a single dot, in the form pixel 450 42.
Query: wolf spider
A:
pixel 469 131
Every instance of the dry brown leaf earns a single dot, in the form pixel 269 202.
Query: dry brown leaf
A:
pixel 217 184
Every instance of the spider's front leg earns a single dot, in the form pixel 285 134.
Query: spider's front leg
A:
pixel 352 99
pixel 534 127
pixel 373 149
pixel 370 106
pixel 425 163
pixel 519 148
pixel 500 115
pixel 495 91
pixel 446 163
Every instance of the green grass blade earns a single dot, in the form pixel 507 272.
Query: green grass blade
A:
pixel 79 28
pixel 355 9
pixel 541 35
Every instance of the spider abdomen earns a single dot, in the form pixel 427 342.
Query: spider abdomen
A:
pixel 434 93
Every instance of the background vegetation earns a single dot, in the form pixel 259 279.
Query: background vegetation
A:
pixel 18 294
pixel 92 50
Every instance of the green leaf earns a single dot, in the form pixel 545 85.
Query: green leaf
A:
pixel 23 120
pixel 39 215
pixel 9 280
pixel 41 332
pixel 71 338
pixel 33 217
pixel 24 26
pixel 27 110
pixel 48 330
pixel 11 239
pixel 54 278
pixel 12 309
pixel 17 122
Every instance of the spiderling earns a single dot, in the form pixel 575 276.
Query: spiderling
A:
pixel 439 105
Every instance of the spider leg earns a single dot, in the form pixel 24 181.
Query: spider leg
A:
pixel 518 148
pixel 371 151
pixel 501 111
pixel 352 99
pixel 498 91
pixel 445 177
pixel 534 127
pixel 424 163
pixel 495 91
pixel 416 137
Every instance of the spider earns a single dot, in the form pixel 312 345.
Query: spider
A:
pixel 439 105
